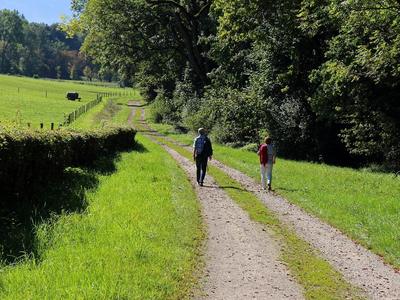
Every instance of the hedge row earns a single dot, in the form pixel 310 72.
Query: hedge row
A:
pixel 29 157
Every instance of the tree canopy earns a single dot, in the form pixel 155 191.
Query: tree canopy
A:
pixel 33 49
pixel 321 77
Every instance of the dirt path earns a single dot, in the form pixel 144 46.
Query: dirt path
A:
pixel 242 257
pixel 359 266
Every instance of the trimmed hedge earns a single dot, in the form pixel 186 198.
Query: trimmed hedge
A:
pixel 29 157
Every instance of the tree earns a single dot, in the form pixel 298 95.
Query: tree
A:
pixel 88 72
pixel 164 33
pixel 322 77
pixel 32 48
pixel 357 87
pixel 11 33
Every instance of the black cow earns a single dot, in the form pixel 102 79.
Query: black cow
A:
pixel 73 96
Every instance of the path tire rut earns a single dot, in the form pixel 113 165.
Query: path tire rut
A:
pixel 359 266
pixel 241 256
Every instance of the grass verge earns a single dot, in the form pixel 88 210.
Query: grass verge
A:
pixel 137 239
pixel 111 112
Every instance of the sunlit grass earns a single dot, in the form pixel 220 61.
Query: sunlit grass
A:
pixel 28 100
pixel 138 238
pixel 109 112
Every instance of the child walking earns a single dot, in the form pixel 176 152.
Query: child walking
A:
pixel 267 160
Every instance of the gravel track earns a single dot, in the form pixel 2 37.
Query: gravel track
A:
pixel 359 266
pixel 241 256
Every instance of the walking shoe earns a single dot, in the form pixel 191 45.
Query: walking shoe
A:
pixel 201 183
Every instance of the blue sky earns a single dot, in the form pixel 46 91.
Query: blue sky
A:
pixel 41 11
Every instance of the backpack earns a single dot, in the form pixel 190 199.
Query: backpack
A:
pixel 200 144
pixel 207 150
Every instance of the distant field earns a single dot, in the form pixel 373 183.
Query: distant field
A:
pixel 24 99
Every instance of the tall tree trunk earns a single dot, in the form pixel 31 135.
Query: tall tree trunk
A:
pixel 189 39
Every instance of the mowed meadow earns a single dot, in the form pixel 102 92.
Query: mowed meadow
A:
pixel 28 100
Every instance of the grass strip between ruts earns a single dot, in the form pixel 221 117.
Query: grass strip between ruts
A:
pixel 318 278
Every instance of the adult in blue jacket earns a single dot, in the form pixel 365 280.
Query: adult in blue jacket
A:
pixel 202 152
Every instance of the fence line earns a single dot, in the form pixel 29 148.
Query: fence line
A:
pixel 71 117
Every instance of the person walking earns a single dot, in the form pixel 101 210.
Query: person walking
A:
pixel 267 160
pixel 202 152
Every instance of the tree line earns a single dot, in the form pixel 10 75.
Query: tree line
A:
pixel 321 77
pixel 41 50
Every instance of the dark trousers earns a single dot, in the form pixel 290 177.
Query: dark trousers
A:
pixel 201 166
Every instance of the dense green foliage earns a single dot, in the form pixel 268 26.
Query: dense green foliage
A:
pixel 37 49
pixel 41 50
pixel 321 77
pixel 157 41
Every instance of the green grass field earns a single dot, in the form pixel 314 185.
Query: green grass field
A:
pixel 364 205
pixel 110 112
pixel 138 237
pixel 43 101
pixel 136 240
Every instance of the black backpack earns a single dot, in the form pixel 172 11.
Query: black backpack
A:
pixel 207 147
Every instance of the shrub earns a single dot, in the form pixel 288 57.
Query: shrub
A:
pixel 239 118
pixel 250 147
pixel 29 157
